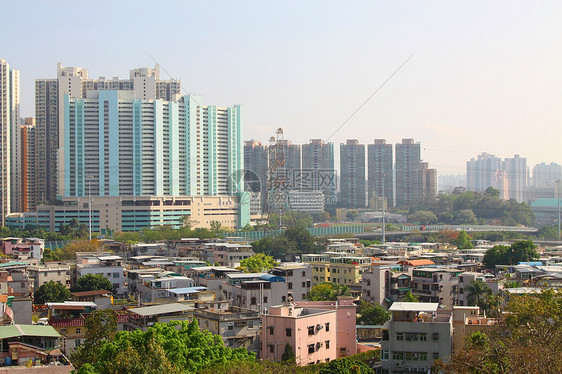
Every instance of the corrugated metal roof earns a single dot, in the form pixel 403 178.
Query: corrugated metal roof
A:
pixel 187 290
pixel 161 309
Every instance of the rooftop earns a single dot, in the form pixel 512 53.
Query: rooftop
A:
pixel 399 306
pixel 13 331
pixel 161 309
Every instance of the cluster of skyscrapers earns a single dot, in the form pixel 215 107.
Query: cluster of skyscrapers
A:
pixel 511 177
pixel 116 137
pixel 396 173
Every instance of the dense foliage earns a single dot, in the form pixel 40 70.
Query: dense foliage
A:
pixel 372 314
pixel 463 241
pixel 175 347
pixel 462 207
pixel 521 251
pixel 294 240
pixel 327 292
pixel 51 292
pixel 258 263
pixel 529 342
pixel 100 326
pixel 92 282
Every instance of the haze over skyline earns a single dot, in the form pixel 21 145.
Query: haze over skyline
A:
pixel 485 76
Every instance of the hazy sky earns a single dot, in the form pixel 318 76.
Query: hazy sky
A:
pixel 486 75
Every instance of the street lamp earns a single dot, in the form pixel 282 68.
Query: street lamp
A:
pixel 383 218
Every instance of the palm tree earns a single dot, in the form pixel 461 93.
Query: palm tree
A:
pixel 478 293
pixel 410 297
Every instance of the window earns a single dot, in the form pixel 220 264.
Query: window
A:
pixel 308 284
pixel 423 337
pixel 435 336
pixel 423 356
pixel 397 355
pixel 327 344
pixel 399 336
pixel 435 355
pixel 265 299
pixel 115 275
pixel 290 285
pixel 253 301
pixel 310 348
pixel 304 273
pixel 310 330
pixel 384 355
pixel 78 330
pixel 271 348
pixel 283 298
pixel 288 331
pixel 231 326
pixel 271 330
pixel 250 324
pixel 327 326
pixel 303 284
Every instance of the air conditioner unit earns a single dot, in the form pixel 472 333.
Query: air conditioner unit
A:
pixel 230 323
pixel 318 345
pixel 319 327
pixel 408 369
pixel 398 364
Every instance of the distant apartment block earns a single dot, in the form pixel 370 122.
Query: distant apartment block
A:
pixel 118 145
pixel 352 174
pixel 546 174
pixel 10 163
pixel 28 154
pixel 256 172
pixel 408 159
pixel 318 172
pixel 73 82
pixel 381 170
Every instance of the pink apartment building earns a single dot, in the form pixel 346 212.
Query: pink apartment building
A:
pixel 318 331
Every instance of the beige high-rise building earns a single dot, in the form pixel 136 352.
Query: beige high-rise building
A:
pixel 10 170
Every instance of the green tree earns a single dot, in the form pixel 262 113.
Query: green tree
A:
pixel 174 346
pixel 491 191
pixel 372 314
pixel 463 241
pixel 409 297
pixel 51 292
pixel 465 217
pixel 423 217
pixel 288 355
pixel 352 214
pixel 258 263
pixel 548 232
pixel 91 282
pixel 478 294
pixel 346 366
pixel 49 255
pixel 529 342
pixel 327 292
pixel 101 326
pixel 216 227
pixel 521 251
